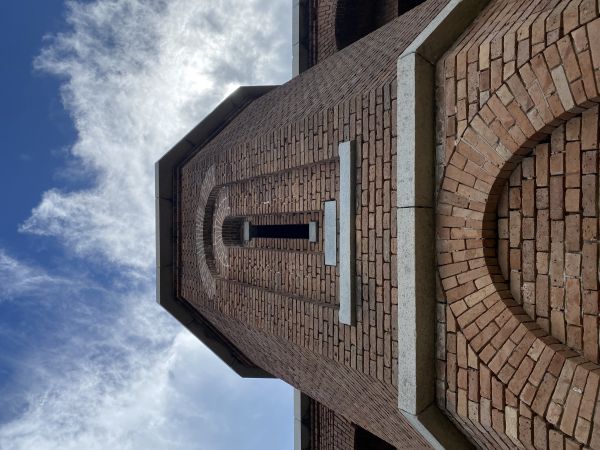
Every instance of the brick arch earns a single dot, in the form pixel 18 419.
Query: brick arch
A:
pixel 216 230
pixel 204 232
pixel 544 92
pixel 226 231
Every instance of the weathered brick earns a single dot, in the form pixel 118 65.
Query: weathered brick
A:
pixel 548 224
pixel 556 197
pixel 589 195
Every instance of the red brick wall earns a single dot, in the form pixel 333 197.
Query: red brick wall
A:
pixel 386 11
pixel 325 30
pixel 301 318
pixel 369 118
pixel 513 92
pixel 330 431
pixel 279 157
pixel 370 16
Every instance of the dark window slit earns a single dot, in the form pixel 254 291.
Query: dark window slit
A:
pixel 294 231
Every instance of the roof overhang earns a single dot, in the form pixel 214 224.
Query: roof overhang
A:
pixel 166 170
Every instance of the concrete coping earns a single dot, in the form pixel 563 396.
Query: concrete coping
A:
pixel 165 173
pixel 416 223
pixel 347 241
pixel 330 232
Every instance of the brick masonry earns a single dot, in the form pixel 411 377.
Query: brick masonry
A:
pixel 330 431
pixel 516 237
pixel 324 33
pixel 327 21
pixel 277 160
pixel 548 232
pixel 517 226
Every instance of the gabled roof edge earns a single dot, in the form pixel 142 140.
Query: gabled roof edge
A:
pixel 165 170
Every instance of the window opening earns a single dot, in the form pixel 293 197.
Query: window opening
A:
pixel 281 231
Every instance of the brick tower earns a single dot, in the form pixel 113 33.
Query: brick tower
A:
pixel 407 231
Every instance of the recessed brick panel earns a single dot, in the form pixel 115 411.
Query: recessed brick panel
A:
pixel 568 272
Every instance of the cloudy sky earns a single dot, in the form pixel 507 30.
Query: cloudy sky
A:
pixel 92 93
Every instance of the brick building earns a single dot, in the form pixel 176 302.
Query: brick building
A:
pixel 407 231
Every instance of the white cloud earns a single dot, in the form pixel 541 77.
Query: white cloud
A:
pixel 137 75
pixel 19 279
pixel 132 382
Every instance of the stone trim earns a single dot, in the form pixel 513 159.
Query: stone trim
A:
pixel 416 156
pixel 330 232
pixel 347 241
pixel 415 221
pixel 313 231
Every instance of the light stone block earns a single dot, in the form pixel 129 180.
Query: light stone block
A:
pixel 416 308
pixel 246 231
pixel 330 232
pixel 347 155
pixel 312 231
pixel 415 213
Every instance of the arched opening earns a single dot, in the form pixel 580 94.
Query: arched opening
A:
pixel 355 19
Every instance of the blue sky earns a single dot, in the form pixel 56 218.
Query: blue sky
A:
pixel 92 93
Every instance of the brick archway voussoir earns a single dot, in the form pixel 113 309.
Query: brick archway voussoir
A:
pixel 547 90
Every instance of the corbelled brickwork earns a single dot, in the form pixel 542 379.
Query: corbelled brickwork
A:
pixel 277 160
pixel 516 355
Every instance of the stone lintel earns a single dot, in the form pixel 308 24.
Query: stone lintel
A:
pixel 313 229
pixel 435 427
pixel 347 243
pixel 330 232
